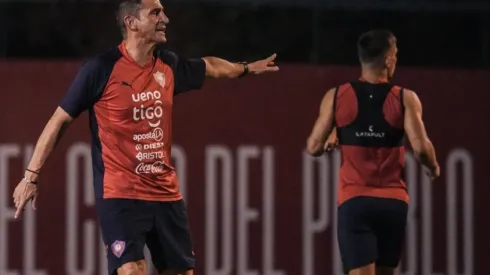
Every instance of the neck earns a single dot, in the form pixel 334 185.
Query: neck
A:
pixel 374 75
pixel 140 51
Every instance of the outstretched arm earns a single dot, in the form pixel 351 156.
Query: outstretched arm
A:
pixel 417 135
pixel 220 68
pixel 323 126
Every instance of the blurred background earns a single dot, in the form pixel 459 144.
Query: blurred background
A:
pixel 258 205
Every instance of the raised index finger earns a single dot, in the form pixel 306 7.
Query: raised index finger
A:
pixel 271 58
pixel 20 209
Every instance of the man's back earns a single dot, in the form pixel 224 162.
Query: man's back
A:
pixel 371 118
pixel 370 127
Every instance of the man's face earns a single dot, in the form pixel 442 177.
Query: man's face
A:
pixel 151 22
pixel 391 58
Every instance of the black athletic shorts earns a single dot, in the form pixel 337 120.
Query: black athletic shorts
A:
pixel 371 230
pixel 127 225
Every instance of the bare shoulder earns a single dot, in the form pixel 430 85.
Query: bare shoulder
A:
pixel 329 94
pixel 410 98
pixel 330 91
pixel 327 100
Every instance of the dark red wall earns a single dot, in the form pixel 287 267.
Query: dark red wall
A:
pixel 246 138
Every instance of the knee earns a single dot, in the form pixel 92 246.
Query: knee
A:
pixel 132 268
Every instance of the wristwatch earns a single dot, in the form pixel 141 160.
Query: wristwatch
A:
pixel 29 181
pixel 245 69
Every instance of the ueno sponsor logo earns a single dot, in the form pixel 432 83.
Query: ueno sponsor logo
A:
pixel 156 134
pixel 152 113
pixel 150 168
pixel 145 96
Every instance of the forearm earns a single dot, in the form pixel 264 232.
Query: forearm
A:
pixel 315 145
pixel 425 153
pixel 333 135
pixel 220 68
pixel 324 125
pixel 45 145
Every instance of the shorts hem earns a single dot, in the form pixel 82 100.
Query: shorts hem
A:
pixel 347 269
pixel 386 265
pixel 113 269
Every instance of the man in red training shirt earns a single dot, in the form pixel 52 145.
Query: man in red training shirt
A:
pixel 371 117
pixel 129 92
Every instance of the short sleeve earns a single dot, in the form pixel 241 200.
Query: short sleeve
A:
pixel 85 90
pixel 189 74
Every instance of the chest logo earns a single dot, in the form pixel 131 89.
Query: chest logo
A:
pixel 159 78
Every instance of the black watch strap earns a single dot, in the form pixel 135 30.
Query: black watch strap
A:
pixel 245 69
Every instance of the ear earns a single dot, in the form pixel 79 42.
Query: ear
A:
pixel 131 22
pixel 389 61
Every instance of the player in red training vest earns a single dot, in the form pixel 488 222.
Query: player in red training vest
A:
pixel 371 117
pixel 129 92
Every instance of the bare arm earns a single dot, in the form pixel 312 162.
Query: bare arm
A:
pixel 332 138
pixel 84 91
pixel 220 68
pixel 48 140
pixel 323 126
pixel 417 135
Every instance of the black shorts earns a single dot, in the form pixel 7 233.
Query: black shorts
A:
pixel 127 225
pixel 371 230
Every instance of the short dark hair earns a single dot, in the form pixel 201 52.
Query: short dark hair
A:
pixel 373 45
pixel 125 8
